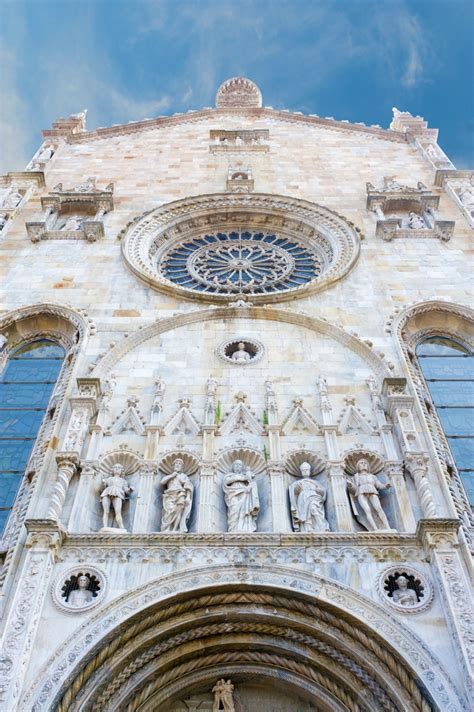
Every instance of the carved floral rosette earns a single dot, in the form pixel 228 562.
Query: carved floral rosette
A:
pixel 424 602
pixel 58 585
pixel 256 347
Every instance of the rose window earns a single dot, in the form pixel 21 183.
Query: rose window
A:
pixel 240 263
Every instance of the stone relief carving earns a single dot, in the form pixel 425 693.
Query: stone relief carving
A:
pixel 364 488
pixel 238 92
pixel 12 197
pixel 223 698
pixel 416 222
pixel 116 490
pixel 79 589
pixel 241 498
pixel 405 590
pixel 307 498
pixel 239 180
pixel 177 499
pixel 241 352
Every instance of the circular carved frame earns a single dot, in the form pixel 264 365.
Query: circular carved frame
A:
pixel 422 604
pixel 57 588
pixel 151 237
pixel 256 346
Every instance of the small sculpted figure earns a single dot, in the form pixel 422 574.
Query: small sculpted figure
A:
pixel 115 492
pixel 13 198
pixel 307 499
pixel 241 355
pixel 466 196
pixel 365 487
pixel 223 699
pixel 402 594
pixel 177 499
pixel 415 222
pixel 241 498
pixel 72 223
pixel 81 595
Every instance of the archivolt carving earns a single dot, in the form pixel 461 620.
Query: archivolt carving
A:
pixel 411 326
pixel 155 241
pixel 112 656
pixel 319 325
pixel 68 328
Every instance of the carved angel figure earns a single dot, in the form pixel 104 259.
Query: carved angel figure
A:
pixel 365 488
pixel 307 499
pixel 177 499
pixel 223 699
pixel 115 492
pixel 241 498
pixel 402 594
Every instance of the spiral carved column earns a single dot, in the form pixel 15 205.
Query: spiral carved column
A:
pixel 67 467
pixel 417 465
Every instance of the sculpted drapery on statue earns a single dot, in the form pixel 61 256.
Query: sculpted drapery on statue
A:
pixel 364 487
pixel 307 499
pixel 115 492
pixel 223 699
pixel 177 499
pixel 81 595
pixel 241 498
pixel 403 595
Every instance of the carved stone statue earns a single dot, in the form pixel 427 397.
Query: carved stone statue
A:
pixel 365 488
pixel 241 355
pixel 177 499
pixel 13 198
pixel 72 223
pixel 241 498
pixel 223 699
pixel 403 595
pixel 307 499
pixel 391 185
pixel 115 492
pixel 415 222
pixel 81 595
pixel 466 196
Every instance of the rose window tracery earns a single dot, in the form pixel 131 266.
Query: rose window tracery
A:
pixel 241 262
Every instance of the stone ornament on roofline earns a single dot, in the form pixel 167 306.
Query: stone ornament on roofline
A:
pixel 237 93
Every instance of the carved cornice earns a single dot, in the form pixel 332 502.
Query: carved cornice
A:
pixel 24 178
pixel 44 534
pixel 438 534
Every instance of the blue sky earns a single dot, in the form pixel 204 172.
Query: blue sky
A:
pixel 125 60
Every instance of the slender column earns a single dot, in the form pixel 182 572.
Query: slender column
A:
pixel 154 429
pixel 395 474
pixel 97 430
pixel 68 463
pixel 142 520
pixel 153 433
pixel 21 623
pixel 79 521
pixel 338 492
pixel 207 508
pixel 417 466
pixel 273 427
pixel 279 494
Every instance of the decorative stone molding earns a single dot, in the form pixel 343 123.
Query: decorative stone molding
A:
pixel 295 458
pixel 459 185
pixel 417 582
pixel 152 246
pixel 237 93
pixel 249 456
pixel 72 214
pixel 191 462
pixel 417 466
pixel 67 127
pixel 15 190
pixel 67 582
pixel 352 457
pixel 239 140
pixel 68 463
pixel 256 350
pixel 239 180
pixel 130 460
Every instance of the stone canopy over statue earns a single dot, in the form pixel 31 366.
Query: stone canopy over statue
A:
pixel 241 498
pixel 307 499
pixel 177 499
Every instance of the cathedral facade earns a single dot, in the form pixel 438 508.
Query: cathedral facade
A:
pixel 236 416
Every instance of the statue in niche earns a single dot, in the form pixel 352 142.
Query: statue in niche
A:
pixel 403 595
pixel 307 499
pixel 13 198
pixel 241 355
pixel 81 595
pixel 241 498
pixel 115 492
pixel 364 487
pixel 415 222
pixel 177 499
pixel 73 223
pixel 466 196
pixel 223 699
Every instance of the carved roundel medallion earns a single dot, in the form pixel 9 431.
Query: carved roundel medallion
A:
pixel 79 589
pixel 405 589
pixel 241 351
pixel 219 248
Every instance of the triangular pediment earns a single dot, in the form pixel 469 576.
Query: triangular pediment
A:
pixel 182 423
pixel 241 420
pixel 352 421
pixel 129 421
pixel 300 421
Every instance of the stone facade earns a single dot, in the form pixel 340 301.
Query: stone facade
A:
pixel 240 476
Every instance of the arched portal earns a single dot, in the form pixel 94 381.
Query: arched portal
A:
pixel 299 636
